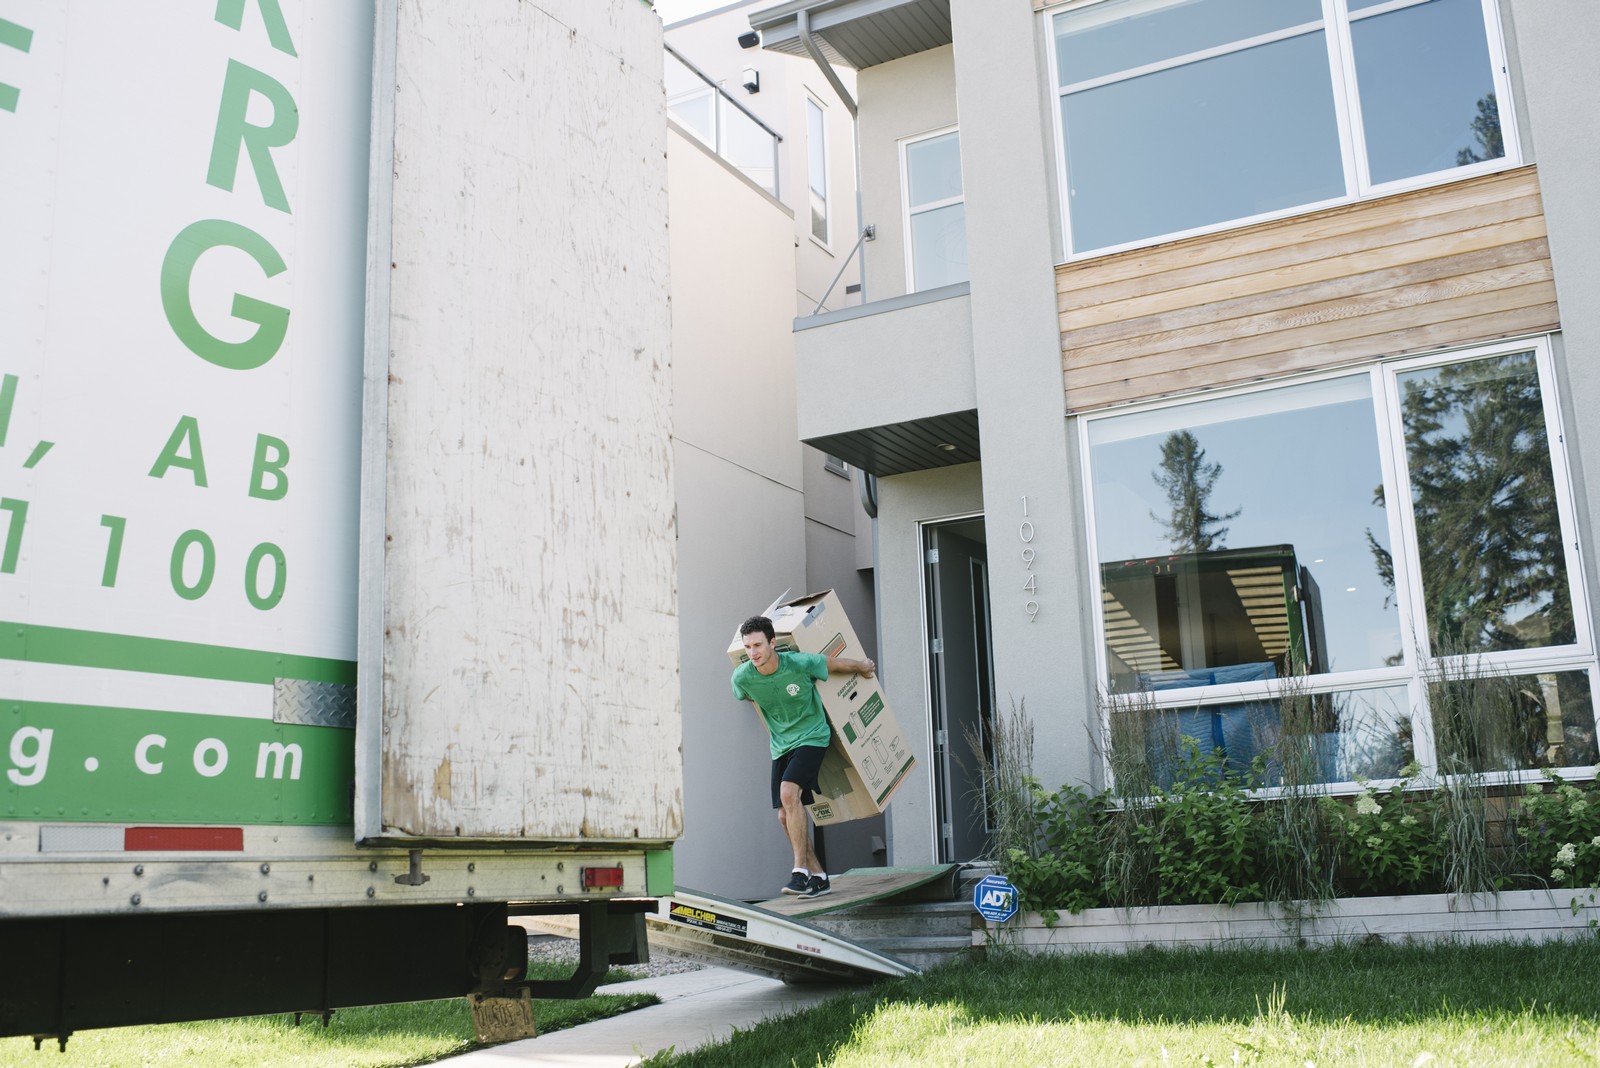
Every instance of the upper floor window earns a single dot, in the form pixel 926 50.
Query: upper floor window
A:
pixel 817 168
pixel 1179 116
pixel 936 213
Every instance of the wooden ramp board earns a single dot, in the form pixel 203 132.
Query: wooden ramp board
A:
pixel 863 886
pixel 733 934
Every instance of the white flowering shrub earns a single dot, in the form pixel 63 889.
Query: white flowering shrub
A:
pixel 1558 826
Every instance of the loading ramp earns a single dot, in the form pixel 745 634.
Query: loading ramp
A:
pixel 773 938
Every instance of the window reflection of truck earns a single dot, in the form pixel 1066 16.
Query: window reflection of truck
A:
pixel 202 813
pixel 1212 618
pixel 1193 619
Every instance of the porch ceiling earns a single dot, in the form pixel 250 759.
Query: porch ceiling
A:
pixel 857 33
pixel 899 448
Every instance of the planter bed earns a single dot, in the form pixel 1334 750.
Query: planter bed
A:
pixel 1518 915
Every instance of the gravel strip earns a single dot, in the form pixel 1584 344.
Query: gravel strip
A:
pixel 544 947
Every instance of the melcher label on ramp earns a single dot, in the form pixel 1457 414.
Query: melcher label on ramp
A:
pixel 682 912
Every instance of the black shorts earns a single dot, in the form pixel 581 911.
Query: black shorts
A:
pixel 799 765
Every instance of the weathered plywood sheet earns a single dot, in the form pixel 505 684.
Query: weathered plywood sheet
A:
pixel 529 625
pixel 1456 264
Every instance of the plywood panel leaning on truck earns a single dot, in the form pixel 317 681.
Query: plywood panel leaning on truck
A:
pixel 340 494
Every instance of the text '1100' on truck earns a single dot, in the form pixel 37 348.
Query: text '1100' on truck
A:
pixel 337 587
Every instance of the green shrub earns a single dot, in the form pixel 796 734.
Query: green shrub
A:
pixel 1193 834
pixel 1205 842
pixel 1558 827
pixel 1063 871
pixel 1388 843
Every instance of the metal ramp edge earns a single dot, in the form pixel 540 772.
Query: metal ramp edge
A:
pixel 732 934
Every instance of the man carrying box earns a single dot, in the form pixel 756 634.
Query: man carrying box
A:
pixel 783 686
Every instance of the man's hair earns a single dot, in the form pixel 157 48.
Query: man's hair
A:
pixel 755 623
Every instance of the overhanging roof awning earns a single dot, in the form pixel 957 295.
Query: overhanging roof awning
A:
pixel 857 33
pixel 899 448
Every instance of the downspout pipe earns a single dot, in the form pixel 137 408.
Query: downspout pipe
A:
pixel 803 24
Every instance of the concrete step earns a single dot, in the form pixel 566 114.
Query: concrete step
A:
pixel 927 951
pixel 899 921
pixel 924 934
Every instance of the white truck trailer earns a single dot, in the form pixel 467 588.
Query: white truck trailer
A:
pixel 338 568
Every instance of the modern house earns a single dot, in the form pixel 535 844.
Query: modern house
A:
pixel 1213 348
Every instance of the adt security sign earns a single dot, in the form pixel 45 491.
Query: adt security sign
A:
pixel 995 898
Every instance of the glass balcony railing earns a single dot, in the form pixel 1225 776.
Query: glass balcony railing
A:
pixel 706 110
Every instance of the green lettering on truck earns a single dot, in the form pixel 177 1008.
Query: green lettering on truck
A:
pixel 177 268
pixel 231 14
pixel 233 133
pixel 272 456
pixel 185 434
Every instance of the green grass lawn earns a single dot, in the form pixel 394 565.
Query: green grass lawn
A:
pixel 371 1037
pixel 1345 1006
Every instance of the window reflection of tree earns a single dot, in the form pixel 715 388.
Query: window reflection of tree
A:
pixel 1488 533
pixel 1187 479
pixel 1486 131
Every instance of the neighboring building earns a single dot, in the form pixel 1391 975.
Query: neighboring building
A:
pixel 758 513
pixel 1277 354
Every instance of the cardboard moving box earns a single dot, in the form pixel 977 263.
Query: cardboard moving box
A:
pixel 868 758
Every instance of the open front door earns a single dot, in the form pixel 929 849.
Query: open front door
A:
pixel 960 662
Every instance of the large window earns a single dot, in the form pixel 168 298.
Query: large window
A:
pixel 1184 115
pixel 817 168
pixel 1389 551
pixel 936 213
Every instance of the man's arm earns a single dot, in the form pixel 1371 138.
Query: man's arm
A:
pixel 844 665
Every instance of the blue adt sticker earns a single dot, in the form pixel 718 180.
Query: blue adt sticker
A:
pixel 995 898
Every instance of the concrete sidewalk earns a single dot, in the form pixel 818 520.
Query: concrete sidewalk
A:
pixel 696 1008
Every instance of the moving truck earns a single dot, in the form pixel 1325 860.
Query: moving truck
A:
pixel 335 491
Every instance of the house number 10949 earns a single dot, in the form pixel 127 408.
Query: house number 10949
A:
pixel 1029 555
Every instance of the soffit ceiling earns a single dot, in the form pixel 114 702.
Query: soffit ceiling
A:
pixel 900 448
pixel 857 33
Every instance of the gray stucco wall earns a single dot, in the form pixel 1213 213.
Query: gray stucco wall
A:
pixel 1029 490
pixel 904 364
pixel 1557 42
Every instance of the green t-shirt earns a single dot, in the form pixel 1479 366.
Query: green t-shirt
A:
pixel 788 699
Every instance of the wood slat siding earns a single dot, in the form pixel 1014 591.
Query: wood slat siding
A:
pixel 1457 264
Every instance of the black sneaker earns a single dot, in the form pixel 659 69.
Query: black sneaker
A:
pixel 799 883
pixel 818 885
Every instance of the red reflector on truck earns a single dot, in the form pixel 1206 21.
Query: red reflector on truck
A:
pixel 214 839
pixel 601 878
